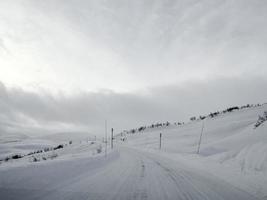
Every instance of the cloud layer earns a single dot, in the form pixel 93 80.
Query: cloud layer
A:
pixel 71 64
pixel 87 111
pixel 128 45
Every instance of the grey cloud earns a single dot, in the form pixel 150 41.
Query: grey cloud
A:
pixel 161 33
pixel 122 110
pixel 178 39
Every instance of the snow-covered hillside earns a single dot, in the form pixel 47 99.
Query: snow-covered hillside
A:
pixel 231 164
pixel 231 147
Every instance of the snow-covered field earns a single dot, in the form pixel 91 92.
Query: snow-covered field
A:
pixel 231 148
pixel 231 164
pixel 40 150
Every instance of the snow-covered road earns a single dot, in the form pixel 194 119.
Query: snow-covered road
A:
pixel 125 174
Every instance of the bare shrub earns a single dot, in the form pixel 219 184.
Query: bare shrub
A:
pixel 261 119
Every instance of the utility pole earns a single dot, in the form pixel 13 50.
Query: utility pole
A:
pixel 160 136
pixel 200 138
pixel 111 138
pixel 106 138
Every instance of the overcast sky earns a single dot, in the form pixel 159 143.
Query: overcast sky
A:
pixel 71 64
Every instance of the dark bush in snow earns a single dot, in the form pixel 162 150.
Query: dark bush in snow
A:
pixel 202 117
pixel 99 149
pixel 132 131
pixel 141 128
pixel 246 106
pixel 7 159
pixel 17 156
pixel 193 118
pixel 59 147
pixel 34 159
pixel 214 114
pixel 232 108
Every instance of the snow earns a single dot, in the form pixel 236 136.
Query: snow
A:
pixel 232 163
pixel 69 136
pixel 231 148
pixel 23 146
pixel 124 174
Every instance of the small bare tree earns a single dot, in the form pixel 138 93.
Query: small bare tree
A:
pixel 261 119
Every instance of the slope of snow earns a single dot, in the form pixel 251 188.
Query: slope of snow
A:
pixel 17 143
pixel 68 152
pixel 230 147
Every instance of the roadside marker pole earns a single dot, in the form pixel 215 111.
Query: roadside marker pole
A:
pixel 111 138
pixel 200 138
pixel 160 136
pixel 106 138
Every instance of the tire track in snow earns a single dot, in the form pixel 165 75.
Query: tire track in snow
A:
pixel 195 185
pixel 132 175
